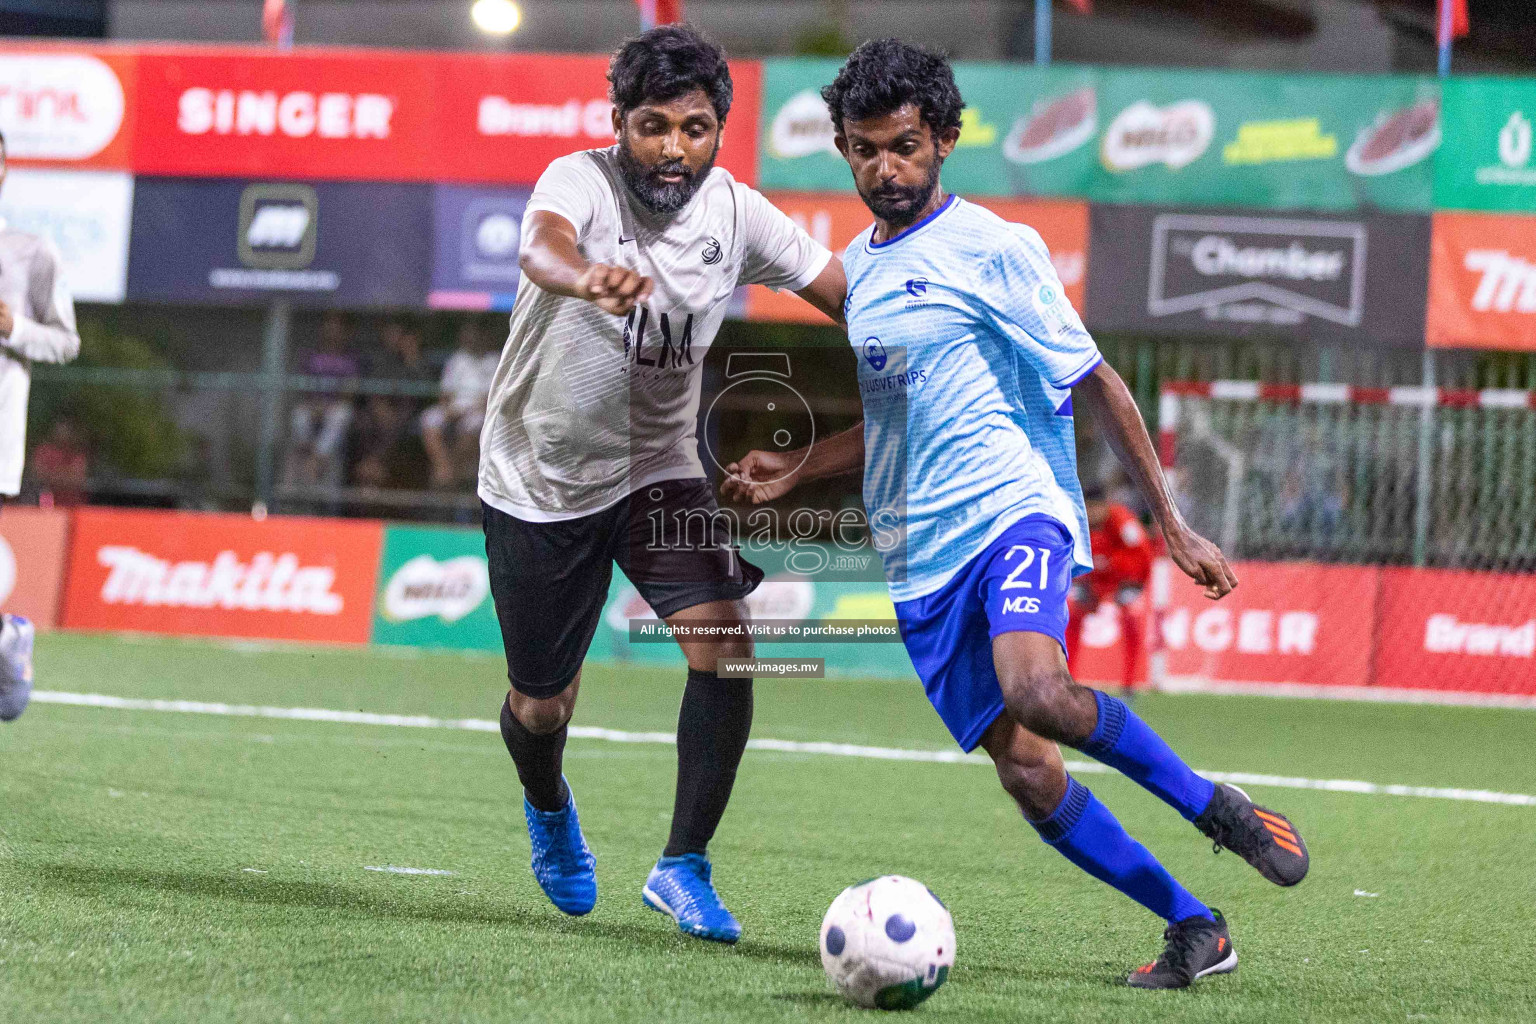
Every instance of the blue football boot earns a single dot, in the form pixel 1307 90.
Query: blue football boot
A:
pixel 15 666
pixel 680 888
pixel 564 867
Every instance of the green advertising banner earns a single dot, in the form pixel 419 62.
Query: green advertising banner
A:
pixel 1486 163
pixel 1024 131
pixel 1318 142
pixel 1321 142
pixel 434 590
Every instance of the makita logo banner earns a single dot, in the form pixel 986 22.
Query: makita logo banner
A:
pixel 283 578
pixel 1482 281
pixel 1322 277
pixel 268 582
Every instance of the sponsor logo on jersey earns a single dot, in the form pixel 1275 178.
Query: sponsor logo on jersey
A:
pixel 500 116
pixel 874 353
pixel 270 581
pixel 917 287
pixel 1144 134
pixel 279 225
pixel 296 115
pixel 58 106
pixel 658 341
pixel 1258 270
pixel 424 587
pixel 712 252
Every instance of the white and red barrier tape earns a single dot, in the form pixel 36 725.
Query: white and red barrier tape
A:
pixel 1326 394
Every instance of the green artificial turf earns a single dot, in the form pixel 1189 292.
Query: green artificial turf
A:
pixel 158 866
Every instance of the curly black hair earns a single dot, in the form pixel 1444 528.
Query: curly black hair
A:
pixel 665 63
pixel 884 75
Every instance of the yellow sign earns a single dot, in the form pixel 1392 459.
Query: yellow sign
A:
pixel 1273 142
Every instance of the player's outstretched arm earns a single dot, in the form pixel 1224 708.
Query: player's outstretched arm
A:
pixel 828 292
pixel 763 476
pixel 553 261
pixel 1105 395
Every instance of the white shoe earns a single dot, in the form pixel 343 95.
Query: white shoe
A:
pixel 15 667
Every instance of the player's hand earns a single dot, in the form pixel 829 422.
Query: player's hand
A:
pixel 613 289
pixel 1201 561
pixel 762 476
pixel 7 321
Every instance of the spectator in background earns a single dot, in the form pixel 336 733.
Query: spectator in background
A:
pixel 450 429
pixel 1122 568
pixel 385 420
pixel 60 466
pixel 317 427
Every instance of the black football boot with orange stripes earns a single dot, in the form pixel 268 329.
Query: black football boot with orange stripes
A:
pixel 1194 948
pixel 1262 837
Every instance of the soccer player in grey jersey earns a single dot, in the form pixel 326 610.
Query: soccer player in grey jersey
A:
pixel 630 256
pixel 37 324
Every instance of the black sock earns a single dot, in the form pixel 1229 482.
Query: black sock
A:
pixel 538 759
pixel 712 730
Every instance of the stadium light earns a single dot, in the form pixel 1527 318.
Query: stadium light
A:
pixel 496 17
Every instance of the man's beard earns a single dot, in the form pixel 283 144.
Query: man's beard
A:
pixel 645 184
pixel 899 205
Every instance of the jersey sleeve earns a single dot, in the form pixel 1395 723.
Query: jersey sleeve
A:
pixel 1023 299
pixel 45 331
pixel 573 187
pixel 776 251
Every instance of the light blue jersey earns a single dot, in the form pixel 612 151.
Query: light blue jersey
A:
pixel 968 349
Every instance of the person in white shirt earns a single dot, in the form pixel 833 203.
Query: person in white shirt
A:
pixel 450 428
pixel 630 256
pixel 37 324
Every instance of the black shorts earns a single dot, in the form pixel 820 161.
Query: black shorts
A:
pixel 550 580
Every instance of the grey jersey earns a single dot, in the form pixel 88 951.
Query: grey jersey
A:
pixel 32 285
pixel 586 406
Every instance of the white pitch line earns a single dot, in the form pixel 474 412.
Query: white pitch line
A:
pixel 101 700
pixel 392 870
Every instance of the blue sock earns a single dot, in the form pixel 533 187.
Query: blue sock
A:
pixel 1082 830
pixel 1128 745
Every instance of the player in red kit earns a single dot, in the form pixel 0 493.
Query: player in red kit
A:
pixel 1122 567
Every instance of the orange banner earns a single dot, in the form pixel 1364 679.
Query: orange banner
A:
pixel 32 550
pixel 834 221
pixel 1482 282
pixel 283 578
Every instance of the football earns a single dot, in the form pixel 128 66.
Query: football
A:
pixel 887 943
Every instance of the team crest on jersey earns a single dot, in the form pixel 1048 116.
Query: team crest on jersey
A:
pixel 712 252
pixel 874 354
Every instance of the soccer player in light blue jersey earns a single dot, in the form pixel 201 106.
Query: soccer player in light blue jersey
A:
pixel 970 359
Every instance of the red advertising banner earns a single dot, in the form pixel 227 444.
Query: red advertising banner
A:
pixel 387 115
pixel 834 221
pixel 502 119
pixel 283 578
pixel 308 114
pixel 1285 623
pixel 32 551
pixel 1482 282
pixel 67 107
pixel 1470 631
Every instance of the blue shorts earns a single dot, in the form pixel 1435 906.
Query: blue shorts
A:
pixel 1018 584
